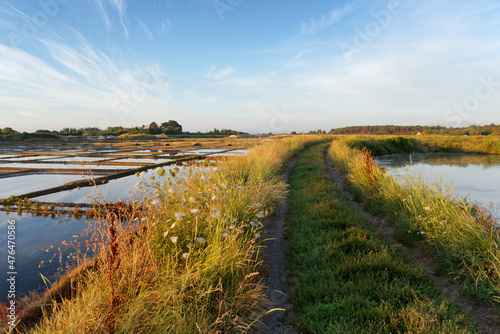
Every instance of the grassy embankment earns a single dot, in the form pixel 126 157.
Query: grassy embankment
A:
pixel 381 145
pixel 189 264
pixel 348 279
pixel 463 237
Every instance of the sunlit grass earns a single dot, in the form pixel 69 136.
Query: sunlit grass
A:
pixel 188 262
pixel 348 279
pixel 463 236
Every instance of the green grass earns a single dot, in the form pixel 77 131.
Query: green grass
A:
pixel 462 236
pixel 188 263
pixel 347 279
pixel 382 145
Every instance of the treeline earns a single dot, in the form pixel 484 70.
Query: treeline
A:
pixel 169 128
pixel 473 130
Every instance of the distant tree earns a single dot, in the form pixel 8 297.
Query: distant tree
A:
pixel 154 129
pixel 9 131
pixel 293 133
pixel 171 127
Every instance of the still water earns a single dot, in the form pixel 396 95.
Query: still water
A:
pixel 474 176
pixel 31 235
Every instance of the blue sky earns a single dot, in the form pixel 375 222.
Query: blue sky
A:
pixel 251 65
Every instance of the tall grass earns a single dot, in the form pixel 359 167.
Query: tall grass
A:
pixel 187 262
pixel 464 236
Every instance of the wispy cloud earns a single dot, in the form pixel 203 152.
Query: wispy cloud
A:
pixel 165 26
pixel 119 6
pixel 99 5
pixel 314 25
pixel 145 29
pixel 294 62
pixel 220 74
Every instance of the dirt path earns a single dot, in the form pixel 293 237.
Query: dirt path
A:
pixel 486 316
pixel 274 257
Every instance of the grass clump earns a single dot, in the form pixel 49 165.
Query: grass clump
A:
pixel 464 237
pixel 187 263
pixel 346 278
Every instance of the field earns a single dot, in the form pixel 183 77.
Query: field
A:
pixel 182 254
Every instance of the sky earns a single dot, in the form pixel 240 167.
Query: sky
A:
pixel 257 66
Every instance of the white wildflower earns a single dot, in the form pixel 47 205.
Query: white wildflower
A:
pixel 257 235
pixel 260 214
pixel 214 198
pixel 174 239
pixel 215 169
pixel 185 255
pixel 189 245
pixel 252 224
pixel 225 235
pixel 172 226
pixel 192 199
pixel 165 234
pixel 194 210
pixel 179 215
pixel 200 240
pixel 216 213
pixel 427 208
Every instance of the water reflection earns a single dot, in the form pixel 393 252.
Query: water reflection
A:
pixel 33 234
pixel 475 176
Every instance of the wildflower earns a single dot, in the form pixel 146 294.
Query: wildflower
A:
pixel 154 202
pixel 404 199
pixel 215 169
pixel 144 219
pixel 189 245
pixel 260 224
pixel 179 215
pixel 214 198
pixel 194 210
pixel 192 199
pixel 200 240
pixel 231 227
pixel 172 226
pixel 165 234
pixel 409 231
pixel 225 235
pixel 216 213
pixel 427 208
pixel 260 214
pixel 174 239
pixel 257 235
pixel 253 224
pixel 171 191
pixel 185 255
pixel 203 177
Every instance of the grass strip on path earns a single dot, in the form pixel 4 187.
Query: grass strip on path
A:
pixel 347 278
